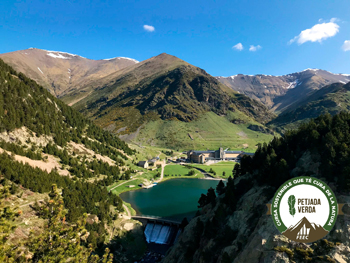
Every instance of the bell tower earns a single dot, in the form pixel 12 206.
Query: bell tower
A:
pixel 222 153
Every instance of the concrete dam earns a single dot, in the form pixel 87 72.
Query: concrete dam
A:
pixel 160 231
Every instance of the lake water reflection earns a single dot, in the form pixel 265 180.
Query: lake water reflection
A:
pixel 172 199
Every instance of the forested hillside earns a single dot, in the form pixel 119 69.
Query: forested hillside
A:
pixel 24 103
pixel 233 227
pixel 44 142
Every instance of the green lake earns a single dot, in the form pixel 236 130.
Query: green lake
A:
pixel 172 199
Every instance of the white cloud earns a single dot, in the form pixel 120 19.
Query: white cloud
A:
pixel 254 48
pixel 346 45
pixel 238 46
pixel 318 32
pixel 148 28
pixel 334 19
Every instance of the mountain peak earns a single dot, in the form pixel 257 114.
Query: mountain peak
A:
pixel 60 71
pixel 65 55
pixel 131 59
pixel 281 92
pixel 310 69
pixel 167 57
pixel 52 53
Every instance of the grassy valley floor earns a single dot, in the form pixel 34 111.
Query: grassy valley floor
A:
pixel 208 132
pixel 218 168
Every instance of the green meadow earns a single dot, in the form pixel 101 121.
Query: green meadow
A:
pixel 208 132
pixel 218 168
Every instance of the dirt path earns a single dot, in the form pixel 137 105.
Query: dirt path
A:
pixel 205 173
pixel 39 201
pixel 77 100
pixel 161 173
pixel 31 203
pixel 127 210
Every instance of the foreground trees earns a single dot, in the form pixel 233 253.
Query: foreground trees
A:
pixel 59 242
pixel 7 215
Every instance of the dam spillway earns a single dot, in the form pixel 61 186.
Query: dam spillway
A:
pixel 161 233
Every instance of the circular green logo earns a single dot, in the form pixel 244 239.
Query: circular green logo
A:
pixel 304 209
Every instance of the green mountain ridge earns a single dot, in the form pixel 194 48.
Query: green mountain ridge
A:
pixel 161 88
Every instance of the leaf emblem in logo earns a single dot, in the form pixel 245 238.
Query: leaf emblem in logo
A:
pixel 291 203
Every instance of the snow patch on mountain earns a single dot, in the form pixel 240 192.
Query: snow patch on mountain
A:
pixel 61 55
pixel 310 69
pixel 136 61
pixel 233 77
pixel 40 71
pixel 58 55
pixel 293 84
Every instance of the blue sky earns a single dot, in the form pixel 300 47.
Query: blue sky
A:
pixel 202 33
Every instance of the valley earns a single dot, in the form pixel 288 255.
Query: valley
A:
pixel 174 131
pixel 90 137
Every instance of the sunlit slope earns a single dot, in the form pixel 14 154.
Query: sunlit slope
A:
pixel 210 131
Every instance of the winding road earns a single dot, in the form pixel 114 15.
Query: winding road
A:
pixel 161 173
pixel 122 184
pixel 126 210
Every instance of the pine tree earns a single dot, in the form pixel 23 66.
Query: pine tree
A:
pixel 211 196
pixel 203 200
pixel 220 188
pixel 236 172
pixel 7 252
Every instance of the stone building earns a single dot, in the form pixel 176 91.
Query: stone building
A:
pixel 143 164
pixel 221 155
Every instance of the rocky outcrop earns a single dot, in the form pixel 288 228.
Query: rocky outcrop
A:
pixel 259 128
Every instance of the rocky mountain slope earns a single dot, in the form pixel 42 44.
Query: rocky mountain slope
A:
pixel 163 87
pixel 61 71
pixel 330 99
pixel 234 227
pixel 280 93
